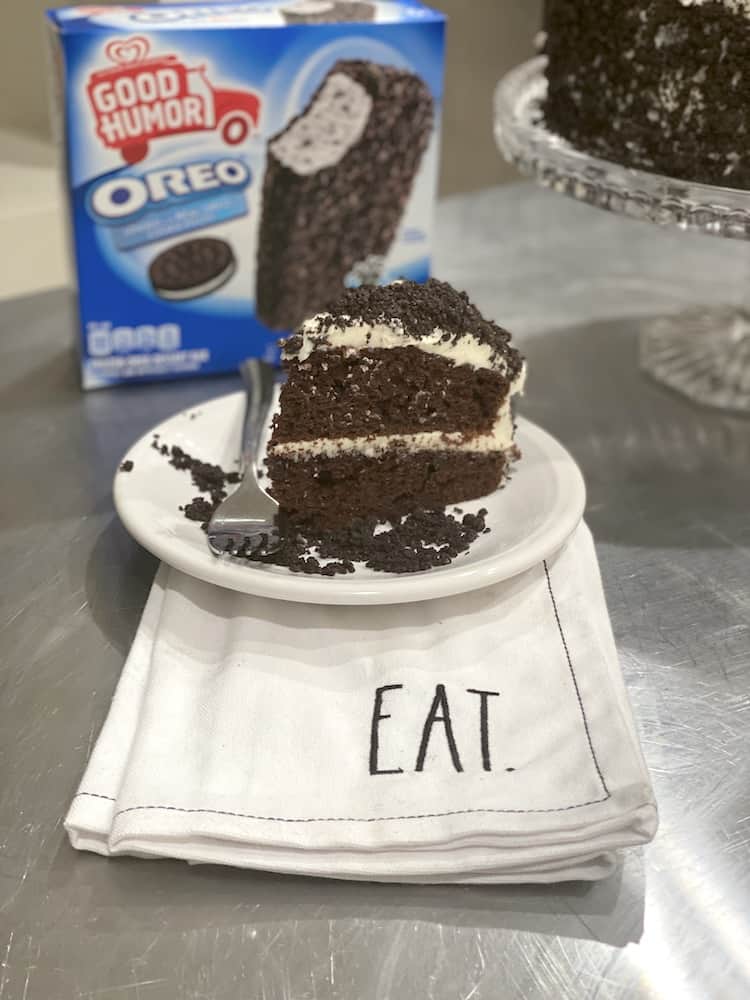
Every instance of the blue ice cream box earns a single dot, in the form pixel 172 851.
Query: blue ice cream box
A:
pixel 232 167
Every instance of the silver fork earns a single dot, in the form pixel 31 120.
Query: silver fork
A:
pixel 246 519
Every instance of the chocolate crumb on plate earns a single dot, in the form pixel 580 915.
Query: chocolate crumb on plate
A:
pixel 127 466
pixel 199 509
pixel 415 543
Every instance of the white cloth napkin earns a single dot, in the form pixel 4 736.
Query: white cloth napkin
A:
pixel 356 742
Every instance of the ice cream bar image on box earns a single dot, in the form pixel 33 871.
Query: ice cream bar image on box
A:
pixel 327 11
pixel 337 180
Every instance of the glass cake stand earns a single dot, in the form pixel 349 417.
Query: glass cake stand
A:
pixel 704 354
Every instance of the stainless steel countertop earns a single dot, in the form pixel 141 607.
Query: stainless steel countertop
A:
pixel 669 504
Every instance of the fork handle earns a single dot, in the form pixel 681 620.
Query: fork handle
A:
pixel 260 381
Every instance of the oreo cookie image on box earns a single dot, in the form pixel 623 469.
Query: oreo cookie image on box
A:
pixel 191 269
pixel 327 11
pixel 337 180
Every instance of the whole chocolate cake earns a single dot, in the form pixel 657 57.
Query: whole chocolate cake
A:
pixel 336 184
pixel 397 398
pixel 659 84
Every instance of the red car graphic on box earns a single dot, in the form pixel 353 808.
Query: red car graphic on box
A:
pixel 142 97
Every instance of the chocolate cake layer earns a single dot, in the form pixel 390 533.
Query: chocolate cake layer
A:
pixel 332 491
pixel 338 394
pixel 321 214
pixel 661 84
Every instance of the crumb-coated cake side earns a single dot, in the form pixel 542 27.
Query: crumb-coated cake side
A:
pixel 337 180
pixel 663 85
pixel 398 397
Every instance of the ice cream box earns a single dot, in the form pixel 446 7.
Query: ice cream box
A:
pixel 231 168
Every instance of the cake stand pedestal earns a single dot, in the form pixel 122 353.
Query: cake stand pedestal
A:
pixel 704 354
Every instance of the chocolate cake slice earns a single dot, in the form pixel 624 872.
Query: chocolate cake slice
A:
pixel 336 184
pixel 327 11
pixel 397 398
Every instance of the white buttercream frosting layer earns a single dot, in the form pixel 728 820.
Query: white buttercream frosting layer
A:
pixel 343 332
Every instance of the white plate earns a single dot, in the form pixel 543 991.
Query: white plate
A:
pixel 530 519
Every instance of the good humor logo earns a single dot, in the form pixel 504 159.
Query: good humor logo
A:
pixel 140 98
